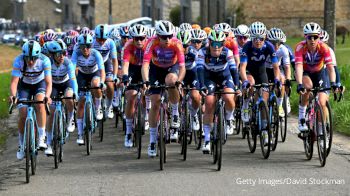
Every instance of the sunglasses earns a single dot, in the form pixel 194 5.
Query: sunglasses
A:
pixel 139 38
pixel 165 37
pixel 83 46
pixel 125 37
pixel 31 58
pixel 58 54
pixel 258 39
pixel 196 41
pixel 315 37
pixel 217 44
pixel 242 37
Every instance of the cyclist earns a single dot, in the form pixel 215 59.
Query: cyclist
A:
pixel 213 65
pixel 185 27
pixel 275 36
pixel 198 36
pixel 242 36
pixel 31 76
pixel 132 62
pixel 63 80
pixel 312 61
pixel 89 63
pixel 252 70
pixel 191 78
pixel 151 32
pixel 107 49
pixel 163 62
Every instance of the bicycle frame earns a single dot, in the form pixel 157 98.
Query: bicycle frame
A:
pixel 31 117
pixel 88 100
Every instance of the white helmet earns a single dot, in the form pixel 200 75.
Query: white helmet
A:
pixel 284 39
pixel 312 28
pixel 185 26
pixel 218 36
pixel 164 27
pixel 138 30
pixel 176 30
pixel 324 36
pixel 257 29
pixel 151 32
pixel 242 30
pixel 226 28
pixel 275 34
pixel 198 34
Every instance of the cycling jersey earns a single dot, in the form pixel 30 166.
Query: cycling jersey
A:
pixel 257 56
pixel 191 77
pixel 313 62
pixel 132 54
pixel 334 60
pixel 107 49
pixel 89 65
pixel 291 54
pixel 190 58
pixel 282 54
pixel 231 44
pixel 164 56
pixel 64 73
pixel 119 47
pixel 215 64
pixel 33 74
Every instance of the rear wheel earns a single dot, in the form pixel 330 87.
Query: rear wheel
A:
pixel 220 137
pixel 308 140
pixel 251 131
pixel 238 115
pixel 101 122
pixel 275 121
pixel 200 131
pixel 265 139
pixel 139 129
pixel 283 120
pixel 185 127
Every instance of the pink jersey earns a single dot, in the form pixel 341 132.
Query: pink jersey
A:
pixel 231 44
pixel 313 62
pixel 132 54
pixel 164 56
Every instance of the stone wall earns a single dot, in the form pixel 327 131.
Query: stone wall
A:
pixel 42 11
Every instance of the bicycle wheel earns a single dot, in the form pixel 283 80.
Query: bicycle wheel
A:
pixel 251 131
pixel 101 122
pixel 265 143
pixel 27 148
pixel 161 139
pixel 238 115
pixel 329 127
pixel 308 140
pixel 200 131
pixel 139 128
pixel 186 126
pixel 56 140
pixel 321 135
pixel 34 147
pixel 88 127
pixel 274 122
pixel 213 140
pixel 284 120
pixel 220 136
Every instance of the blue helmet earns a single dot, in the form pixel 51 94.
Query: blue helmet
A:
pixel 84 39
pixel 55 46
pixel 62 44
pixel 101 31
pixel 31 48
pixel 45 49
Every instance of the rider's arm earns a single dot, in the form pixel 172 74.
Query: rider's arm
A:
pixel 101 66
pixel 16 74
pixel 286 64
pixel 181 60
pixel 299 60
pixel 72 77
pixel 235 52
pixel 243 63
pixel 126 53
pixel 113 55
pixel 200 60
pixel 274 61
pixel 48 77
pixel 147 56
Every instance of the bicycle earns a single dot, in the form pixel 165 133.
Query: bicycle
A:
pixel 30 135
pixel 274 117
pixel 119 110
pixel 59 125
pixel 256 111
pixel 89 119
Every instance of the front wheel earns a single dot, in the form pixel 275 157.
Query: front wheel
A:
pixel 56 140
pixel 27 149
pixel 329 127
pixel 88 128
pixel 321 136
pixel 264 130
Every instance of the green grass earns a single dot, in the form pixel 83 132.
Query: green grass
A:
pixel 5 79
pixel 341 110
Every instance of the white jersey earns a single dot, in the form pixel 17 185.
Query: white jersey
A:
pixel 283 57
pixel 89 65
pixel 334 60
pixel 107 49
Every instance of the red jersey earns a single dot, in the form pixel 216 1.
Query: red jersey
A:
pixel 132 54
pixel 313 62
pixel 164 56
pixel 231 44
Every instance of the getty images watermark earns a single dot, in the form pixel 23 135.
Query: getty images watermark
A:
pixel 289 181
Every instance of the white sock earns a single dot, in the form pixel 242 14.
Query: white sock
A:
pixel 207 129
pixel 98 103
pixel 49 138
pixel 302 111
pixel 20 138
pixel 279 101
pixel 194 111
pixel 71 116
pixel 229 115
pixel 148 102
pixel 146 115
pixel 153 134
pixel 42 132
pixel 175 108
pixel 80 126
pixel 129 122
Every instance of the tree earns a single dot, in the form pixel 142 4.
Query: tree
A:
pixel 175 15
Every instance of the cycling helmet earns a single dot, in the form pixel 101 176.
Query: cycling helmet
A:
pixel 31 48
pixel 207 30
pixel 215 26
pixel 324 36
pixel 50 36
pixel 62 44
pixel 48 31
pixel 284 38
pixel 85 30
pixel 184 36
pixel 54 46
pixel 138 30
pixel 242 30
pixel 275 34
pixel 185 26
pixel 198 34
pixel 68 40
pixel 124 31
pixel 84 39
pixel 218 36
pixel 176 30
pixel 101 31
pixel 75 40
pixel 164 27
pixel 226 28
pixel 45 49
pixel 257 29
pixel 312 28
pixel 151 32
pixel 114 34
pixel 72 33
pixel 196 26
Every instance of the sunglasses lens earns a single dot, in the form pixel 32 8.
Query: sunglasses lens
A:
pixel 85 46
pixel 139 38
pixel 197 41
pixel 217 44
pixel 312 37
pixel 165 37
pixel 242 37
pixel 31 58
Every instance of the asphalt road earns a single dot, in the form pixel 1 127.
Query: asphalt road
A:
pixel 113 170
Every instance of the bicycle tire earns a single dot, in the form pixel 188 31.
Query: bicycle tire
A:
pixel 140 127
pixel 161 139
pixel 321 137
pixel 213 140
pixel 308 140
pixel 56 140
pixel 34 146
pixel 88 127
pixel 250 130
pixel 185 131
pixel 27 150
pixel 220 137
pixel 238 115
pixel 284 120
pixel 265 149
pixel 200 131
pixel 274 122
pixel 329 127
pixel 62 138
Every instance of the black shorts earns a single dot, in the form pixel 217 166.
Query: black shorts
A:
pixel 85 79
pixel 223 79
pixel 270 75
pixel 135 75
pixel 319 79
pixel 258 72
pixel 26 91
pixel 157 75
pixel 62 87
pixel 191 78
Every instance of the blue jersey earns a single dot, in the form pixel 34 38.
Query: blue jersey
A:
pixel 63 73
pixel 90 64
pixel 107 49
pixel 215 64
pixel 190 58
pixel 33 74
pixel 257 56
